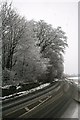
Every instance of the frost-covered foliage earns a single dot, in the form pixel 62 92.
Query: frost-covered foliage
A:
pixel 31 51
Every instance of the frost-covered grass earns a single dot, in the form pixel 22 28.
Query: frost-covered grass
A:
pixel 25 92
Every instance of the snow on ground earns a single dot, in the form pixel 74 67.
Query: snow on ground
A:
pixel 74 79
pixel 25 92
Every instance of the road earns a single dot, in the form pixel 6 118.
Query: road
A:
pixel 49 105
pixel 16 107
pixel 72 110
pixel 53 107
pixel 69 109
pixel 66 107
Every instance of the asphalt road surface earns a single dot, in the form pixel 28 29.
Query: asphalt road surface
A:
pixel 72 110
pixel 59 104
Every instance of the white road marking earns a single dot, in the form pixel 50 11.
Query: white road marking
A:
pixel 27 109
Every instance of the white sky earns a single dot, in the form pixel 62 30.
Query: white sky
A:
pixel 59 13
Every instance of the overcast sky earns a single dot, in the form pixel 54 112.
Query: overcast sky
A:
pixel 59 13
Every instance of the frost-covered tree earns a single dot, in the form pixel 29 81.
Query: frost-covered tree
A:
pixel 52 43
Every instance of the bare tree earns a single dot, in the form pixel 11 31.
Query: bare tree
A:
pixel 13 28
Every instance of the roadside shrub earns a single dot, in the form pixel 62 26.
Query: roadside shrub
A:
pixel 26 86
pixel 5 92
pixel 6 75
pixel 21 87
pixel 8 91
pixel 12 89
